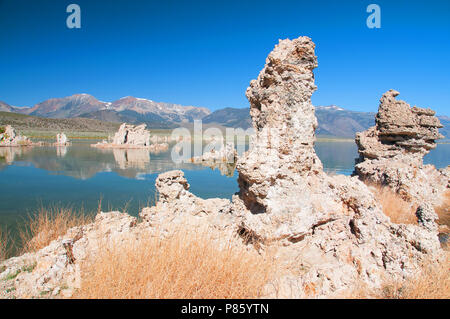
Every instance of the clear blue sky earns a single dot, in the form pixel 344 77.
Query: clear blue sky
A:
pixel 204 53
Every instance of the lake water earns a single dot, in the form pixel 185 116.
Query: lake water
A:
pixel 79 175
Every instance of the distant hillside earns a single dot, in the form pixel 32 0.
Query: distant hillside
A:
pixel 127 109
pixel 27 122
pixel 333 120
pixel 445 120
pixel 230 117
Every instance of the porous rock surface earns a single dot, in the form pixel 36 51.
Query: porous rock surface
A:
pixel 54 271
pixel 222 153
pixel 178 208
pixel 128 136
pixel 332 226
pixel 391 152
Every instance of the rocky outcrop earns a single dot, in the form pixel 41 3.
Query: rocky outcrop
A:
pixel 331 226
pixel 391 152
pixel 128 136
pixel 177 208
pixel 8 137
pixel 224 153
pixel 54 271
pixel 61 140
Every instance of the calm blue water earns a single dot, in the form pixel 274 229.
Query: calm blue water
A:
pixel 79 176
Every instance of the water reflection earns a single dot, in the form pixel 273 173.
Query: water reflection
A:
pixel 8 154
pixel 61 151
pixel 131 158
pixel 83 162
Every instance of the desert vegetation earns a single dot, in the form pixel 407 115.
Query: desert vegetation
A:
pixel 47 224
pixel 181 266
pixel 4 244
pixel 443 211
pixel 190 264
pixel 40 127
pixel 432 282
pixel 394 206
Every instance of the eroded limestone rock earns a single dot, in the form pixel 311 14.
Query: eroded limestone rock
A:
pixel 178 208
pixel 223 153
pixel 331 226
pixel 128 136
pixel 391 152
pixel 55 269
pixel 61 140
pixel 10 138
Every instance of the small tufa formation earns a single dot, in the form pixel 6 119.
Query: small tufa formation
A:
pixel 226 154
pixel 8 137
pixel 399 130
pixel 176 202
pixel 179 210
pixel 61 140
pixel 128 136
pixel 391 152
pixel 132 135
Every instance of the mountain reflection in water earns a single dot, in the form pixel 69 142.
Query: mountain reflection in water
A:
pixel 79 175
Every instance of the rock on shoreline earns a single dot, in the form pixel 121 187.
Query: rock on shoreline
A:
pixel 10 138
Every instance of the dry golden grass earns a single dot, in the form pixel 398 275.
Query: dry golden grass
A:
pixel 47 225
pixel 433 282
pixel 443 210
pixel 399 210
pixel 4 247
pixel 183 266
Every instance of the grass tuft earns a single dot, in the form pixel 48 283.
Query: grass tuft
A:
pixel 443 210
pixel 182 266
pixel 394 206
pixel 432 282
pixel 4 245
pixel 48 224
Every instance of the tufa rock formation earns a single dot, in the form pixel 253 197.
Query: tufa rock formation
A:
pixel 178 207
pixel 226 154
pixel 132 135
pixel 128 136
pixel 332 227
pixel 8 137
pixel 391 153
pixel 61 140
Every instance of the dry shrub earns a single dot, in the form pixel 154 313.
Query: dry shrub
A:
pixel 394 206
pixel 432 282
pixel 4 245
pixel 443 210
pixel 182 266
pixel 48 224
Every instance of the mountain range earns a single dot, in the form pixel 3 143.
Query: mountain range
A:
pixel 333 121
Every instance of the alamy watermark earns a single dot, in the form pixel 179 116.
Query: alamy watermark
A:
pixel 74 19
pixel 374 19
